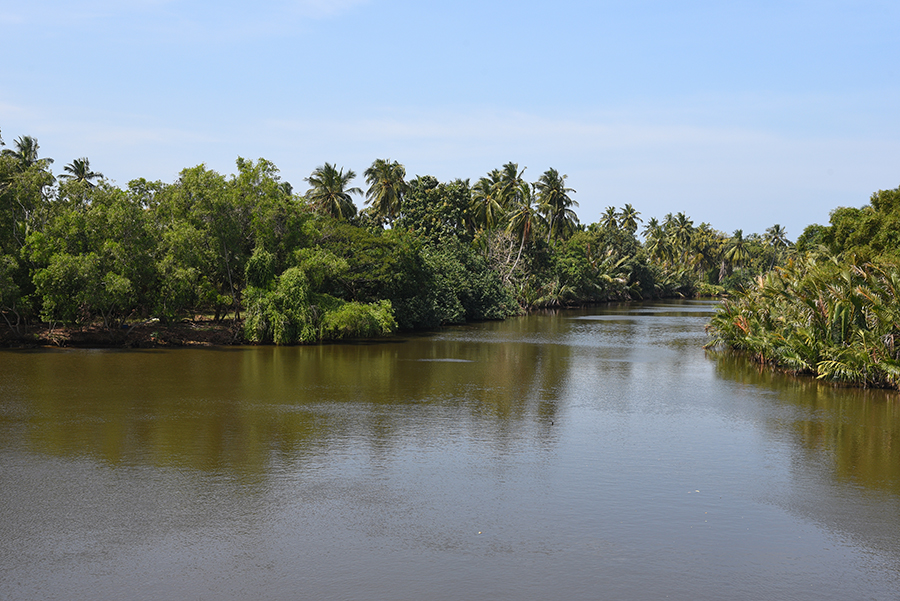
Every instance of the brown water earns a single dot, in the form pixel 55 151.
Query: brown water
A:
pixel 584 455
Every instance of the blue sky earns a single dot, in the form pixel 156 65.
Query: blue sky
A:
pixel 741 114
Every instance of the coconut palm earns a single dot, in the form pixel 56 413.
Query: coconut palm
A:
pixel 555 203
pixel 285 188
pixel 387 187
pixel 610 219
pixel 655 240
pixel 509 185
pixel 329 192
pixel 706 246
pixel 736 251
pixel 629 219
pixel 681 231
pixel 487 203
pixel 776 237
pixel 26 152
pixel 79 170
pixel 524 220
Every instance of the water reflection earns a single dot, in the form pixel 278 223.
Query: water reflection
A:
pixel 854 431
pixel 578 455
pixel 233 408
pixel 497 382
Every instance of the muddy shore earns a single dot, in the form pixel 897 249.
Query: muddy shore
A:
pixel 198 332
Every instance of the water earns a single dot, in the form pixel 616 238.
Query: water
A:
pixel 597 454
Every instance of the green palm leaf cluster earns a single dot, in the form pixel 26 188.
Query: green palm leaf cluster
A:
pixel 329 192
pixel 387 187
pixel 838 320
pixel 79 170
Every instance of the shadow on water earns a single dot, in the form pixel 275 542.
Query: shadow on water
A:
pixel 238 408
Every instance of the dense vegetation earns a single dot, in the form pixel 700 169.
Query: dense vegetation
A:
pixel 76 250
pixel 834 309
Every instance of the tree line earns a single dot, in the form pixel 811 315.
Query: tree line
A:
pixel 833 310
pixel 291 267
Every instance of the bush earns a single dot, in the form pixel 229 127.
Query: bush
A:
pixel 358 320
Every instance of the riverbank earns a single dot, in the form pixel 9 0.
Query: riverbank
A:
pixel 152 334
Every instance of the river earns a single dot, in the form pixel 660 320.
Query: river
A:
pixel 594 454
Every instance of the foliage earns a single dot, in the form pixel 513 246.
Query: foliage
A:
pixel 81 251
pixel 556 204
pixel 866 232
pixel 286 311
pixel 387 188
pixel 436 211
pixel 329 193
pixel 358 320
pixel 837 320
pixel 282 313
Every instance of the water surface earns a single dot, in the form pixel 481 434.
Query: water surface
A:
pixel 597 454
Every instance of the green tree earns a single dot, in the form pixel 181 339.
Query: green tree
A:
pixel 629 218
pixel 488 209
pixel 680 229
pixel 438 211
pixel 387 187
pixel 524 221
pixel 210 232
pixel 94 257
pixel 736 252
pixel 329 192
pixel 776 239
pixel 556 204
pixel 656 242
pixel 79 170
pixel 610 219
pixel 26 153
pixel 510 186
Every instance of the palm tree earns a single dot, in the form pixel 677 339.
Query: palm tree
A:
pixel 834 319
pixel 736 251
pixel 524 220
pixel 286 188
pixel 509 185
pixel 26 152
pixel 387 187
pixel 682 230
pixel 329 193
pixel 629 219
pixel 776 237
pixel 487 203
pixel 554 202
pixel 609 219
pixel 655 240
pixel 705 248
pixel 79 170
